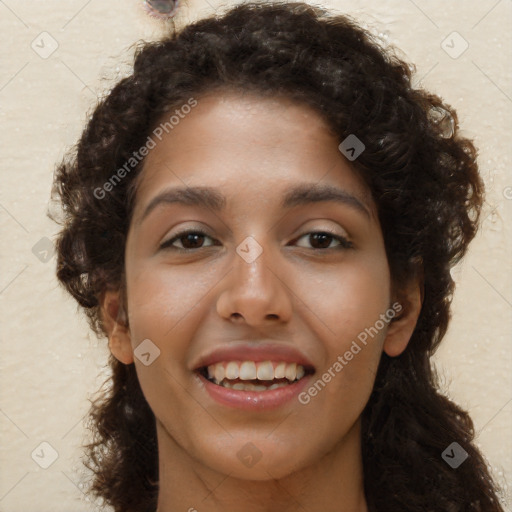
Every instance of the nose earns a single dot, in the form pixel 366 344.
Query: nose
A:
pixel 255 292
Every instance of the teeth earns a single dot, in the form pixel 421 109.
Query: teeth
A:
pixel 291 371
pixel 232 370
pixel 247 386
pixel 280 371
pixel 219 372
pixel 249 370
pixel 265 371
pixel 278 385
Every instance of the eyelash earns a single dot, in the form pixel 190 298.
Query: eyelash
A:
pixel 344 243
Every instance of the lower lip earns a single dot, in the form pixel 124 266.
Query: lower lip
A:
pixel 254 400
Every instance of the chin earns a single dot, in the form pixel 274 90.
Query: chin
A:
pixel 260 460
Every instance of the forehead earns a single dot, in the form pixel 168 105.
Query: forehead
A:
pixel 249 146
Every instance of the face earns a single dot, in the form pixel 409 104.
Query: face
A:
pixel 280 271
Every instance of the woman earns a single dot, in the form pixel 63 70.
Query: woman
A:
pixel 262 219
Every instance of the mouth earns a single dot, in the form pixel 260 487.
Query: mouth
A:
pixel 262 376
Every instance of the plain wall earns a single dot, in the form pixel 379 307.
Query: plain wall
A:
pixel 49 361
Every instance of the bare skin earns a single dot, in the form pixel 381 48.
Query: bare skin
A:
pixel 315 295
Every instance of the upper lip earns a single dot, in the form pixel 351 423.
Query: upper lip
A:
pixel 254 352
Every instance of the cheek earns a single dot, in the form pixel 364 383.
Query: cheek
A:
pixel 346 298
pixel 162 300
pixel 348 302
pixel 166 305
pixel 163 306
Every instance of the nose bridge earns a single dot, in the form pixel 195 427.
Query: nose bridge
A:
pixel 255 290
pixel 251 265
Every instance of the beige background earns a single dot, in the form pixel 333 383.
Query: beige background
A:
pixel 50 363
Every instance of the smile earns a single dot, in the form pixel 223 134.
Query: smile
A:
pixel 254 376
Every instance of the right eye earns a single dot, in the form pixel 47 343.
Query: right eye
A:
pixel 189 240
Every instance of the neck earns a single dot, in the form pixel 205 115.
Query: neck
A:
pixel 333 482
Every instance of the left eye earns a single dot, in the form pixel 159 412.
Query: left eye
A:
pixel 190 239
pixel 324 239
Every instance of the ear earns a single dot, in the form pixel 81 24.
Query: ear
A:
pixel 114 321
pixel 402 326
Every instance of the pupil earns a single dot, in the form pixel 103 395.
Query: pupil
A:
pixel 324 236
pixel 190 237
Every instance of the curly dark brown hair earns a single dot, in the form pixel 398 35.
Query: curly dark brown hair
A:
pixel 423 177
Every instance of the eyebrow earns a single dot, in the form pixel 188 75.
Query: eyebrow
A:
pixel 213 199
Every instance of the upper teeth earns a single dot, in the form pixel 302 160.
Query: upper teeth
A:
pixel 249 370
